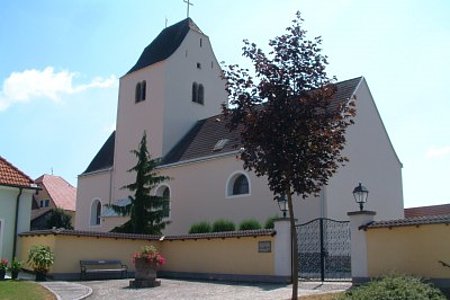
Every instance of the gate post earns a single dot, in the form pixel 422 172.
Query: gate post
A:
pixel 282 247
pixel 359 244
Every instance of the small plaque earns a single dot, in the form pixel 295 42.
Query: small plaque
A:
pixel 264 246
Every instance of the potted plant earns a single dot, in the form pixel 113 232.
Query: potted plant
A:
pixel 3 268
pixel 14 268
pixel 41 259
pixel 146 263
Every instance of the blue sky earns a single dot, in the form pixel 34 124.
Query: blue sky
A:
pixel 60 62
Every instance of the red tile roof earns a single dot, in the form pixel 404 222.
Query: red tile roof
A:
pixel 60 191
pixel 432 210
pixel 12 176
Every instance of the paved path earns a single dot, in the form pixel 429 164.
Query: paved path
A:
pixel 181 289
pixel 68 290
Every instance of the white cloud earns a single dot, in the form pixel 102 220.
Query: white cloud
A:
pixel 21 87
pixel 438 152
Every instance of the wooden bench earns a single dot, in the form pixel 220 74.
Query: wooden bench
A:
pixel 102 268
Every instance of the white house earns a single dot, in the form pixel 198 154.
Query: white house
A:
pixel 174 93
pixel 16 194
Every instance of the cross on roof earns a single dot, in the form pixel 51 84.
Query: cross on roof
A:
pixel 188 3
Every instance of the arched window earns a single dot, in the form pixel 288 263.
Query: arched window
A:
pixel 201 94
pixel 194 92
pixel 96 210
pixel 137 96
pixel 143 90
pixel 238 184
pixel 164 191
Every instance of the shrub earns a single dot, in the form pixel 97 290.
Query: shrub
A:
pixel 250 224
pixel 201 227
pixel 269 223
pixel 223 225
pixel 41 258
pixel 394 287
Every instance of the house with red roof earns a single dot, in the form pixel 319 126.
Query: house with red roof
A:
pixel 56 193
pixel 16 195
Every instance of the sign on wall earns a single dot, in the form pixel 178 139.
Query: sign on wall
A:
pixel 264 246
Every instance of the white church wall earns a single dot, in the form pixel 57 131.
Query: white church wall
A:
pixel 133 118
pixel 198 193
pixel 193 61
pixel 373 162
pixel 91 187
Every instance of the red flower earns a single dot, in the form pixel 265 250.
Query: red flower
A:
pixel 151 255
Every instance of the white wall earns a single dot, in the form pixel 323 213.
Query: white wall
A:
pixel 180 113
pixel 90 187
pixel 8 200
pixel 198 193
pixel 373 162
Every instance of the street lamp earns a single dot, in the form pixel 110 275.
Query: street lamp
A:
pixel 360 193
pixel 282 204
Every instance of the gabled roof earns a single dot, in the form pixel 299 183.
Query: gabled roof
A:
pixel 432 210
pixel 105 156
pixel 12 176
pixel 60 191
pixel 200 141
pixel 165 44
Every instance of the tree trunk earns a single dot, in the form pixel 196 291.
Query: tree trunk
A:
pixel 294 247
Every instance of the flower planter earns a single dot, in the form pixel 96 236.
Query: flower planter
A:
pixel 145 274
pixel 2 274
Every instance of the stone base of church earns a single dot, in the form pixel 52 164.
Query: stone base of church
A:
pixel 138 284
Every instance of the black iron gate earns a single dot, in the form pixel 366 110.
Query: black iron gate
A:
pixel 324 250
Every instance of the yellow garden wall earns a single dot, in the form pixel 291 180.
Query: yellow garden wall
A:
pixel 412 250
pixel 226 256
pixel 213 255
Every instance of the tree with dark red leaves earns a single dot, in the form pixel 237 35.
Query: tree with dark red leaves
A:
pixel 292 128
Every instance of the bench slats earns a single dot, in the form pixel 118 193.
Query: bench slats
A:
pixel 96 266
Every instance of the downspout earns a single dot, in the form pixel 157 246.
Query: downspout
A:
pixel 16 222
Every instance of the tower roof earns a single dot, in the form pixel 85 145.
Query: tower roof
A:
pixel 165 44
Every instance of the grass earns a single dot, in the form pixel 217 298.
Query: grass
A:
pixel 17 289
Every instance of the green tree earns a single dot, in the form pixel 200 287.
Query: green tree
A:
pixel 291 130
pixel 59 219
pixel 146 211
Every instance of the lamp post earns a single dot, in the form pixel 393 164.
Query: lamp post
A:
pixel 282 204
pixel 360 193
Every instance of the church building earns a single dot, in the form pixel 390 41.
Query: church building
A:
pixel 174 92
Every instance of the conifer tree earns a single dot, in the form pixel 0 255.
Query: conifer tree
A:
pixel 146 211
pixel 291 130
pixel 59 219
